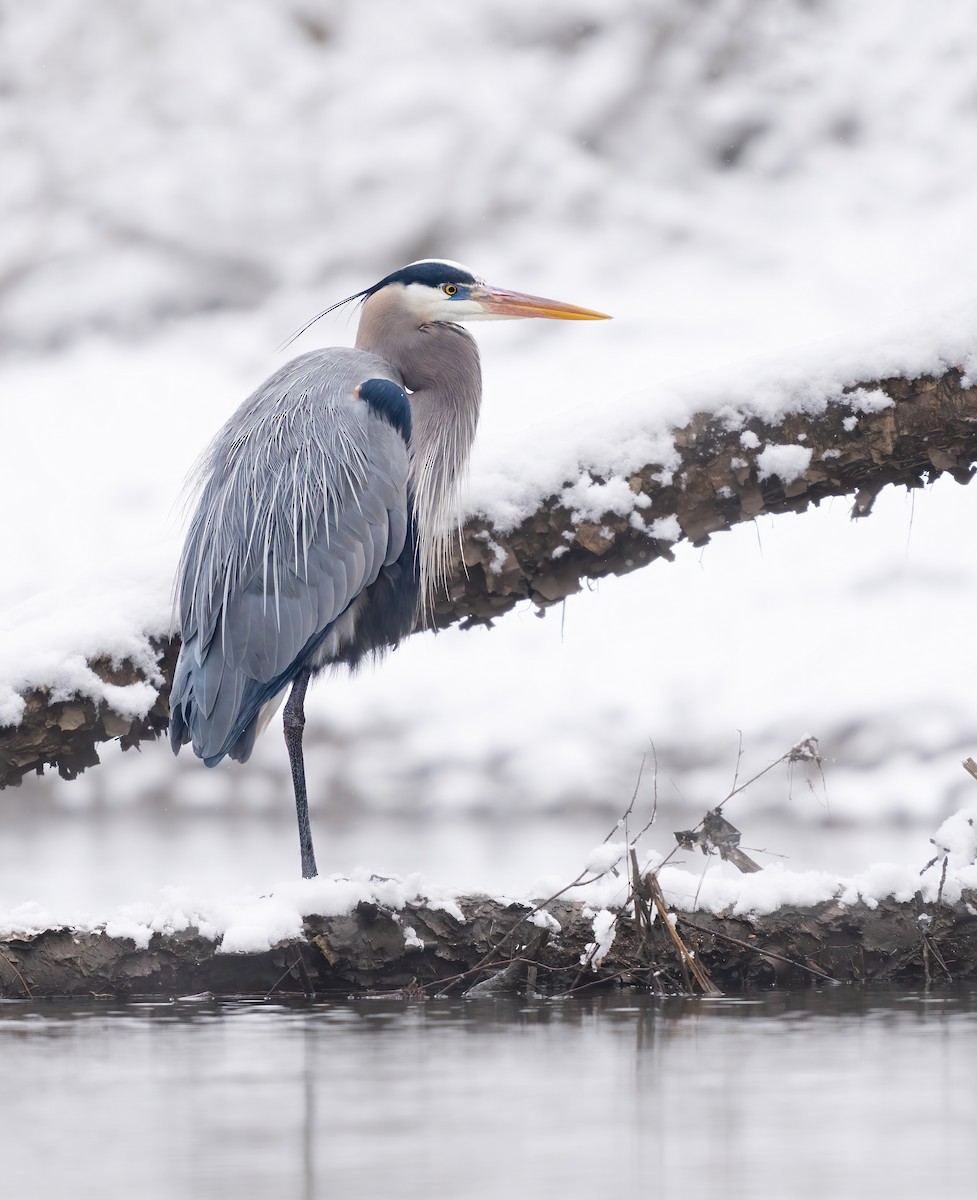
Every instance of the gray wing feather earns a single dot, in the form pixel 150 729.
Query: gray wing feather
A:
pixel 226 699
pixel 304 500
pixel 396 533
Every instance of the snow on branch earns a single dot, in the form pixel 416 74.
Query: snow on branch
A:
pixel 731 468
pixel 724 467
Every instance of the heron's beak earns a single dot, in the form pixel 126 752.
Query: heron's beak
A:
pixel 497 302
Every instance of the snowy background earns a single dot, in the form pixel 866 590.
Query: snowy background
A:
pixel 755 191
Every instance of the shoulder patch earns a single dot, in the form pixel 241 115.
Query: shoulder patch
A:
pixel 389 401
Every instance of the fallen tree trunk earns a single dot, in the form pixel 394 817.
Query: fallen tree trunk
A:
pixel 420 952
pixel 893 431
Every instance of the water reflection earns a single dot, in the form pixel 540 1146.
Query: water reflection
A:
pixel 841 1092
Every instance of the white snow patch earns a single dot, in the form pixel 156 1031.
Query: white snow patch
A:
pixel 589 500
pixel 252 925
pixel 666 529
pixel 605 931
pixel 749 440
pixel 605 857
pixel 499 554
pixel 260 925
pixel 12 706
pixel 134 930
pixel 868 400
pixel 786 462
pixel 28 919
pixel 545 920
pixel 879 882
pixel 957 837
pixel 245 922
pixel 411 940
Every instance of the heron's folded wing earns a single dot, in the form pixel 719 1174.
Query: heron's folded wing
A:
pixel 266 625
pixel 305 501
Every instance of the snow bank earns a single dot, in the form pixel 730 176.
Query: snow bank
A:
pixel 251 923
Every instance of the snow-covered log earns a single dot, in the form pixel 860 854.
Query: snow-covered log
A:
pixel 479 943
pixel 732 468
pixel 724 467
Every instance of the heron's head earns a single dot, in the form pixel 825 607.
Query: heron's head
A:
pixel 436 289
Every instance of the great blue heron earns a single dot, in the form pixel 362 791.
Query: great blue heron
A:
pixel 324 518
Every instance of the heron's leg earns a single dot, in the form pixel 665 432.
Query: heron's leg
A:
pixel 294 715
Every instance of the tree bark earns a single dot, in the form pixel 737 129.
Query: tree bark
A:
pixel 929 430
pixel 497 948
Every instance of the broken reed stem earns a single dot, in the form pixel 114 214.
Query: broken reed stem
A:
pixel 686 957
pixel 20 979
pixel 642 913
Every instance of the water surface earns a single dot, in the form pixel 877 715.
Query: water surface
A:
pixel 834 1093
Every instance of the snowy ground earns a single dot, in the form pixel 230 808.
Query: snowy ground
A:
pixel 761 195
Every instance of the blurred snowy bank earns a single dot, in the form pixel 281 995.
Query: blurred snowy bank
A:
pixel 747 187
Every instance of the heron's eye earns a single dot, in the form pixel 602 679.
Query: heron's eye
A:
pixel 450 289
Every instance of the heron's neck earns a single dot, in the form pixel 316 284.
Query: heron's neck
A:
pixel 440 367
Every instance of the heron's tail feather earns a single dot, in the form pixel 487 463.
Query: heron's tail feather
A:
pixel 218 710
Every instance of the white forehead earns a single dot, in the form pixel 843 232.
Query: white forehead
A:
pixel 448 262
